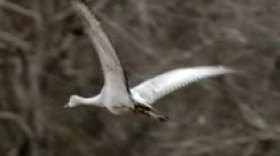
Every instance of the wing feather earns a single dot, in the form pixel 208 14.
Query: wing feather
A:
pixel 111 65
pixel 155 88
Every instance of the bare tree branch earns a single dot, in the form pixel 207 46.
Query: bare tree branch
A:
pixel 15 41
pixel 16 8
pixel 19 121
pixel 210 144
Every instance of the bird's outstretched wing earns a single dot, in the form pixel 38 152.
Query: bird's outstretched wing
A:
pixel 155 88
pixel 111 65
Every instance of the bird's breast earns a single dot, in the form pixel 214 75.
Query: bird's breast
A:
pixel 119 109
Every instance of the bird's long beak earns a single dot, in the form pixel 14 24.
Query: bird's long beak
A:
pixel 66 106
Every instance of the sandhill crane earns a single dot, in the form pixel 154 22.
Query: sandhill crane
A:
pixel 116 95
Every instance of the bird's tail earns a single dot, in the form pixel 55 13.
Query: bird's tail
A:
pixel 150 112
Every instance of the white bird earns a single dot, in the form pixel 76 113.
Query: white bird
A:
pixel 116 96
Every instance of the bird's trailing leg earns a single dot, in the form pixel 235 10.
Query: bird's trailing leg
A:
pixel 149 111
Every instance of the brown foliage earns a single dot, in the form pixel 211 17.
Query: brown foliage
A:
pixel 45 57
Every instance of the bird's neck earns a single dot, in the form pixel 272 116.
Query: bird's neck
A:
pixel 90 101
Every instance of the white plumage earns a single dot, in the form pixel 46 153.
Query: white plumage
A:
pixel 116 96
pixel 163 84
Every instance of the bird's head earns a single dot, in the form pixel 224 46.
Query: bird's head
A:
pixel 74 101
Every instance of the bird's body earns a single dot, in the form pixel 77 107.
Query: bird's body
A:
pixel 116 95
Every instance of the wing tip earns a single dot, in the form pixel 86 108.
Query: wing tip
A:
pixel 230 70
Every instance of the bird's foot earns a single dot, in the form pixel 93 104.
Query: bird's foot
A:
pixel 150 112
pixel 159 117
pixel 163 118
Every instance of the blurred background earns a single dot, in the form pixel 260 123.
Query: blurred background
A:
pixel 45 57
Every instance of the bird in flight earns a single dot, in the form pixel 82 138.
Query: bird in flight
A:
pixel 116 95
